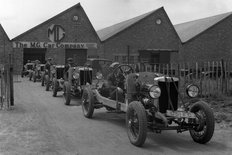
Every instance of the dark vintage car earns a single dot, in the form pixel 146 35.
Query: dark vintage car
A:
pixel 56 73
pixel 77 78
pixel 151 103
pixel 27 69
pixel 38 72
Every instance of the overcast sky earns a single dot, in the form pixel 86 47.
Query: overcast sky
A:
pixel 18 16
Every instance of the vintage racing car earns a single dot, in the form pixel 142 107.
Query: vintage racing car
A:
pixel 77 78
pixel 56 73
pixel 152 102
pixel 27 69
pixel 38 72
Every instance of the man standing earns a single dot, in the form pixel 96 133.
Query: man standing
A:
pixel 67 66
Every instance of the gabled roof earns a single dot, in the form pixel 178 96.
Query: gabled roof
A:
pixel 110 31
pixel 189 30
pixel 47 21
pixel 3 32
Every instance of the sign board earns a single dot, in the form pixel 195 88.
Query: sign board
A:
pixel 24 44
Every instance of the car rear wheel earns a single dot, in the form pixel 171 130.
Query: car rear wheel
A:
pixel 87 102
pixel 55 87
pixel 205 118
pixel 136 121
pixel 67 93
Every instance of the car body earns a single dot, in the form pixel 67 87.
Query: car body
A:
pixel 151 103
pixel 28 69
pixel 56 72
pixel 38 72
pixel 77 78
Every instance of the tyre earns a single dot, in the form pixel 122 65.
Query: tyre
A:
pixel 204 131
pixel 34 77
pixel 55 87
pixel 87 102
pixel 42 80
pixel 67 93
pixel 47 82
pixel 136 121
pixel 30 76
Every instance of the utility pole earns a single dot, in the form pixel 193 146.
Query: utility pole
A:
pixel 128 54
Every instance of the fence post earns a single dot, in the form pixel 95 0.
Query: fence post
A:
pixel 11 81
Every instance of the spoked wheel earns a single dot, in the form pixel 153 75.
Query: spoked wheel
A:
pixel 67 93
pixel 122 70
pixel 87 102
pixel 136 121
pixel 203 132
pixel 55 87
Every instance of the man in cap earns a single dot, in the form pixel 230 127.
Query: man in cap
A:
pixel 67 66
pixel 48 65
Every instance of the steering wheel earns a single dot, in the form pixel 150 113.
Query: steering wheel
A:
pixel 121 72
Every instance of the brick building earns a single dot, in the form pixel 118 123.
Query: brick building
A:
pixel 149 38
pixel 207 39
pixel 68 34
pixel 5 46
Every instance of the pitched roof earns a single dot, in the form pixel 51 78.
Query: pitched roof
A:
pixel 189 30
pixel 110 31
pixel 67 10
pixel 4 32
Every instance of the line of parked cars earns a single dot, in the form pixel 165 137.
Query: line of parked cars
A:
pixel 151 101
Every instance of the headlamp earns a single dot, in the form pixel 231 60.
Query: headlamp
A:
pixel 76 75
pixel 192 90
pixel 154 91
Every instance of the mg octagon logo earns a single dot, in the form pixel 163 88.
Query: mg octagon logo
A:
pixel 56 33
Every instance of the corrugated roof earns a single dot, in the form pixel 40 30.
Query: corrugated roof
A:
pixel 189 30
pixel 110 31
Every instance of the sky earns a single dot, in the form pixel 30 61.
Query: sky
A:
pixel 18 16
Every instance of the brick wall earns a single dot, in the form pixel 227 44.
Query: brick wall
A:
pixel 81 31
pixel 212 45
pixel 5 46
pixel 145 34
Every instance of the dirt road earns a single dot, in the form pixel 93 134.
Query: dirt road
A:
pixel 42 124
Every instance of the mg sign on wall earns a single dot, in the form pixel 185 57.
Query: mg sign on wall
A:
pixel 56 33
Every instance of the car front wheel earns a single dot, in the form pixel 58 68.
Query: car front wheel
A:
pixel 87 102
pixel 203 132
pixel 136 121
pixel 47 82
pixel 67 93
pixel 55 87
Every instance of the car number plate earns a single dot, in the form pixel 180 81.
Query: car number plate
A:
pixel 180 114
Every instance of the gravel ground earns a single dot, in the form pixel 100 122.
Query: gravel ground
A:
pixel 41 124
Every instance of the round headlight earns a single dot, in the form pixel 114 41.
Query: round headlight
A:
pixel 99 76
pixel 76 75
pixel 192 91
pixel 154 91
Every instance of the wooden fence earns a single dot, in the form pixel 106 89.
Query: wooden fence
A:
pixel 213 78
pixel 6 87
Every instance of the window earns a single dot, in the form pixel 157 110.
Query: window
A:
pixel 124 59
pixel 132 61
pixel 116 58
